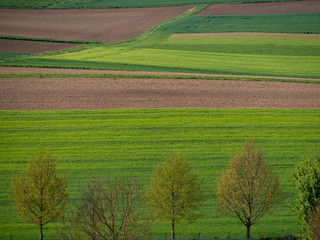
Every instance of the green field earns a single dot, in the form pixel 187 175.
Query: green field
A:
pixel 112 143
pixel 243 54
pixel 111 3
pixel 285 23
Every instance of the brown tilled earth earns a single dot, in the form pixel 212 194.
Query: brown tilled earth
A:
pixel 103 25
pixel 109 93
pixel 262 8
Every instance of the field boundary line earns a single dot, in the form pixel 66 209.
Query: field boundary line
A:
pixel 150 76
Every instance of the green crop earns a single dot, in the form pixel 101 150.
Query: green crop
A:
pixel 284 23
pixel 111 143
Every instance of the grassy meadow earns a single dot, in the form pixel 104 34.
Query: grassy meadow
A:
pixel 112 143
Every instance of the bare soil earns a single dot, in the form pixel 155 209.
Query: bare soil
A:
pixel 103 25
pixel 93 93
pixel 262 8
pixel 17 46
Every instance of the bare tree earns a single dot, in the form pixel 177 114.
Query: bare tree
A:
pixel 248 189
pixel 108 210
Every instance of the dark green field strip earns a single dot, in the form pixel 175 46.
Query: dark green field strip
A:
pixel 147 76
pixel 46 40
pixel 30 4
pixel 110 143
pixel 11 55
pixel 283 23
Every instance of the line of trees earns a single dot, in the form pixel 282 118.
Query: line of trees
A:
pixel 112 209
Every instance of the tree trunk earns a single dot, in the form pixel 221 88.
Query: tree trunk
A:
pixel 172 230
pixel 41 233
pixel 248 231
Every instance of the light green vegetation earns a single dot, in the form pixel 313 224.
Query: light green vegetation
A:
pixel 243 54
pixel 246 43
pixel 112 3
pixel 110 143
pixel 284 23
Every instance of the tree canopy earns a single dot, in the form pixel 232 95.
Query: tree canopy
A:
pixel 175 192
pixel 39 194
pixel 248 189
pixel 307 175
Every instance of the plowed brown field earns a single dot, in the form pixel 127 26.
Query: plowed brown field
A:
pixel 93 93
pixel 262 8
pixel 103 25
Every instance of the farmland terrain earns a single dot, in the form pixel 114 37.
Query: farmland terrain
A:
pixel 101 25
pixel 175 87
pixel 159 50
pixel 262 8
pixel 110 93
pixel 72 4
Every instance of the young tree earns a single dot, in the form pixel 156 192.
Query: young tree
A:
pixel 307 175
pixel 108 210
pixel 40 195
pixel 314 224
pixel 248 189
pixel 175 192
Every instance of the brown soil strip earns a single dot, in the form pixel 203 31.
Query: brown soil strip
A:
pixel 103 25
pixel 17 46
pixel 92 93
pixel 26 70
pixel 262 8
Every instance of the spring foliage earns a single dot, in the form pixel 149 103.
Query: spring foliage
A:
pixel 39 194
pixel 248 189
pixel 307 175
pixel 175 192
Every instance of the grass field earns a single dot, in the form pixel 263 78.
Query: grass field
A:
pixel 114 143
pixel 285 23
pixel 111 3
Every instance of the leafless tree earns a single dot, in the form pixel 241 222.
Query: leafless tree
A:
pixel 108 210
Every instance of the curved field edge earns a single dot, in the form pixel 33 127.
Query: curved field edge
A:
pixel 90 144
